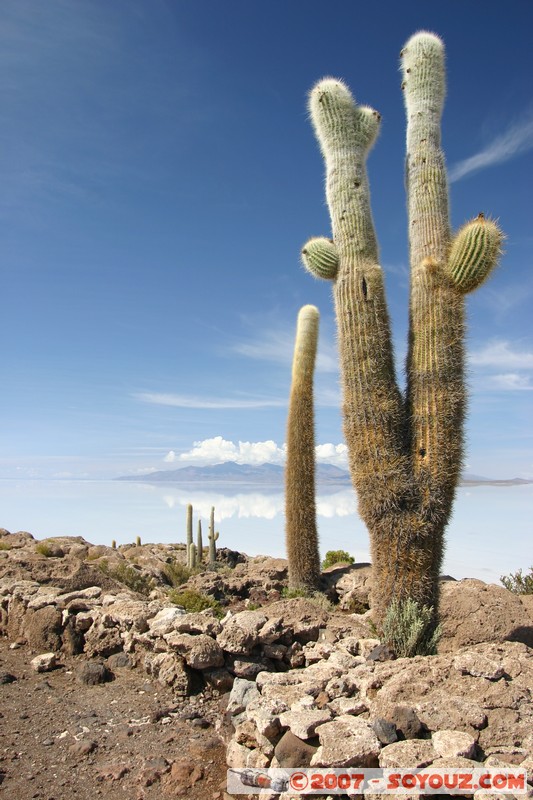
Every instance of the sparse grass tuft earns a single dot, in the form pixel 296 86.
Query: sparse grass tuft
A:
pixel 127 575
pixel 44 549
pixel 317 598
pixel 177 573
pixel 290 594
pixel 5 546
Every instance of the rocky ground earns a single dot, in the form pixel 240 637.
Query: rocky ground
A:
pixel 109 688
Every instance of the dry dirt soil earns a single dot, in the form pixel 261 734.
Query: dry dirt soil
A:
pixel 127 738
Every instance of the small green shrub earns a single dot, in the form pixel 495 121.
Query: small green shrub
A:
pixel 191 601
pixel 290 594
pixel 317 598
pixel 44 549
pixel 409 630
pixel 5 546
pixel 127 575
pixel 518 583
pixel 337 557
pixel 177 573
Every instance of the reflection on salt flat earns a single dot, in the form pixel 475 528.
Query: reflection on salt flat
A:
pixel 489 534
pixel 256 504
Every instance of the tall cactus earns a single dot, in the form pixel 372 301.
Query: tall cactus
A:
pixel 199 544
pixel 405 453
pixel 213 537
pixel 189 525
pixel 300 512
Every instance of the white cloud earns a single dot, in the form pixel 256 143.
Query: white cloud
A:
pixel 218 450
pixel 500 353
pixel 187 401
pixel 336 454
pixel 518 138
pixel 511 381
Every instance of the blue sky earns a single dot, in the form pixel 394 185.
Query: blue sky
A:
pixel 158 177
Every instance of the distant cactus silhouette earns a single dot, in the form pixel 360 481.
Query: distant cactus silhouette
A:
pixel 405 452
pixel 199 544
pixel 191 556
pixel 300 512
pixel 189 525
pixel 213 538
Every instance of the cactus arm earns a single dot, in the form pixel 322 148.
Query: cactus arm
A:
pixel 373 406
pixel 435 369
pixel 300 510
pixel 320 258
pixel 474 253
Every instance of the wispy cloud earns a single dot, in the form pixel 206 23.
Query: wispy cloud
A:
pixel 500 353
pixel 507 298
pixel 189 401
pixel 518 138
pixel 511 381
pixel 489 361
pixel 277 345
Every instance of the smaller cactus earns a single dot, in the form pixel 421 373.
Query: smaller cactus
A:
pixel 320 258
pixel 199 543
pixel 474 253
pixel 212 536
pixel 138 541
pixel 301 535
pixel 114 544
pixel 189 525
pixel 191 556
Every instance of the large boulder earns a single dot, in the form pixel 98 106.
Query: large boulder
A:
pixel 472 612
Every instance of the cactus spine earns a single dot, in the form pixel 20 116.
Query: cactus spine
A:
pixel 189 526
pixel 300 513
pixel 405 453
pixel 199 543
pixel 213 537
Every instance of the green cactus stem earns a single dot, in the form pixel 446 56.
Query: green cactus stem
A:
pixel 320 258
pixel 114 544
pixel 189 525
pixel 213 538
pixel 474 253
pixel 405 452
pixel 199 544
pixel 138 541
pixel 300 513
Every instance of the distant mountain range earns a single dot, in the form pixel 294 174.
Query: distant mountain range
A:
pixel 273 475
